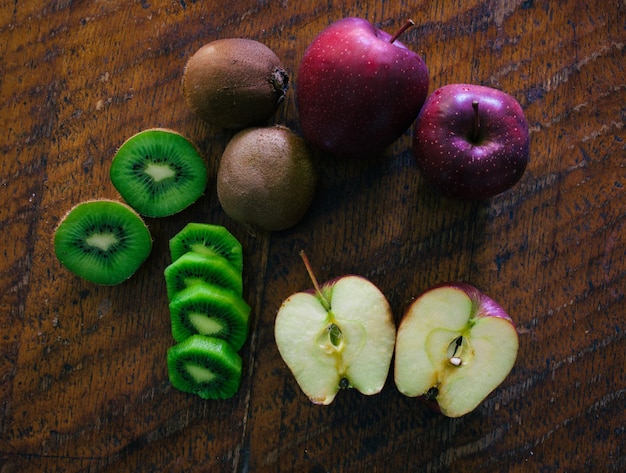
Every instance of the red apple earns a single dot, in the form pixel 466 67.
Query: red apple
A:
pixel 358 89
pixel 454 346
pixel 471 141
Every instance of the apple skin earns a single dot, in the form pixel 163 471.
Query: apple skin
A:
pixel 421 372
pixel 356 91
pixel 469 167
pixel 365 319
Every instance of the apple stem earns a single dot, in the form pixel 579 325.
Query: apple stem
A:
pixel 405 27
pixel 316 285
pixel 476 129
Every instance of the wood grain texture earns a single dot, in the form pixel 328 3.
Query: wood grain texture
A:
pixel 83 382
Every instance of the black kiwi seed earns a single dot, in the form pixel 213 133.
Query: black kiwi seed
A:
pixel 205 366
pixel 234 83
pixel 158 172
pixel 207 239
pixel 192 268
pixel 102 241
pixel 212 311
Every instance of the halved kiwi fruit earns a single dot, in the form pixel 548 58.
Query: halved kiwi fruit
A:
pixel 209 310
pixel 103 241
pixel 209 240
pixel 205 366
pixel 192 268
pixel 158 172
pixel 234 83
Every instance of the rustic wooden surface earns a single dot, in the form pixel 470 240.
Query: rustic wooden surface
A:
pixel 83 382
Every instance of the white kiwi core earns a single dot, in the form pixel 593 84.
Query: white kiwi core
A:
pixel 200 374
pixel 159 172
pixel 102 241
pixel 204 324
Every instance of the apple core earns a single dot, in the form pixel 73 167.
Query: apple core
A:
pixel 330 340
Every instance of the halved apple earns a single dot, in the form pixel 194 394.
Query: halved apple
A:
pixel 454 346
pixel 340 335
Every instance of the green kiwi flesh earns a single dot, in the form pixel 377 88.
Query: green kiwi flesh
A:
pixel 205 366
pixel 192 268
pixel 158 172
pixel 234 83
pixel 102 241
pixel 209 240
pixel 266 178
pixel 209 310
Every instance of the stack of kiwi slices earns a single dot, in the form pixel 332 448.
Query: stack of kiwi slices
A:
pixel 209 316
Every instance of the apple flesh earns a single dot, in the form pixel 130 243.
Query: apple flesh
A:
pixel 339 335
pixel 470 141
pixel 358 89
pixel 454 346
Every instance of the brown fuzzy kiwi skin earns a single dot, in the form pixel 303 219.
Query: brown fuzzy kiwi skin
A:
pixel 234 83
pixel 267 178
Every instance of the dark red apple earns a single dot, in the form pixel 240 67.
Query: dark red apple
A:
pixel 471 141
pixel 358 89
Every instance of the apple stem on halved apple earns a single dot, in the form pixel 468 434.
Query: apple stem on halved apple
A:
pixel 316 285
pixel 405 27
pixel 476 129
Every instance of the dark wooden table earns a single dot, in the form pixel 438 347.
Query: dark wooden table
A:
pixel 83 380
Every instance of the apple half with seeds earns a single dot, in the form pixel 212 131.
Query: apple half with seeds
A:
pixel 337 336
pixel 454 346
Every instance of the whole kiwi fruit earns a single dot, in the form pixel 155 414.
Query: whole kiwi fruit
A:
pixel 234 83
pixel 266 178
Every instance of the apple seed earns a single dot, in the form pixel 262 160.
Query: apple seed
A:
pixel 459 346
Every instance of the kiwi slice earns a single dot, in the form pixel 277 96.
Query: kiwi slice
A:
pixel 209 310
pixel 234 83
pixel 209 240
pixel 158 172
pixel 206 366
pixel 192 268
pixel 102 241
